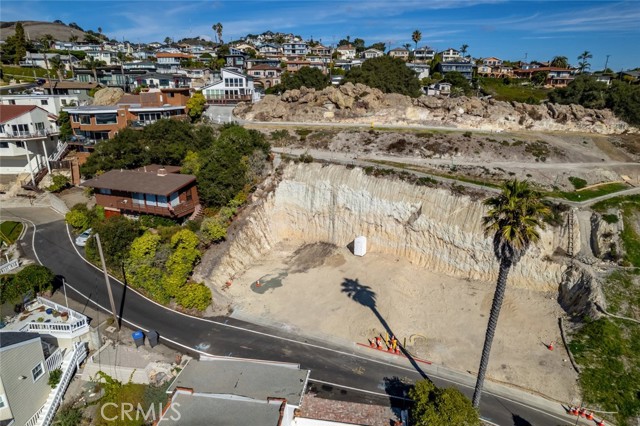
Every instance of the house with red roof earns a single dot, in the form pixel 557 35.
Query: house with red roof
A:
pixel 28 141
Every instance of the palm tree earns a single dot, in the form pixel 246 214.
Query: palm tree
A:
pixel 93 64
pixel 513 220
pixel 416 37
pixel 73 39
pixel 583 65
pixel 217 28
pixel 560 62
pixel 57 66
pixel 463 49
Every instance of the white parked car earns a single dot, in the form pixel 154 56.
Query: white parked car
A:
pixel 81 240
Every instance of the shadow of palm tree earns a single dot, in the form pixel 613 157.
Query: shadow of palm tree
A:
pixel 365 296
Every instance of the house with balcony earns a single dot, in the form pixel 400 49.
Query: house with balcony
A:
pixel 28 141
pixel 463 67
pixel 252 62
pixel 400 53
pixel 154 190
pixel 169 62
pixel 450 55
pixel 265 75
pixel 162 81
pixel 320 50
pixel 53 104
pixel 69 87
pixel 492 62
pixel 424 54
pixel 230 87
pixel 295 66
pixel 346 51
pixel 107 56
pixel 44 337
pixel 41 60
pixel 372 53
pixel 555 77
pixel 270 50
pixel 94 123
pixel 295 48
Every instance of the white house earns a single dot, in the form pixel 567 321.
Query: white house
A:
pixel 399 52
pixel 450 55
pixel 28 139
pixel 231 86
pixel 295 48
pixel 41 60
pixel 53 104
pixel 102 55
pixel 269 49
pixel 424 54
pixel 346 51
pixel 372 53
pixel 44 338
pixel 421 70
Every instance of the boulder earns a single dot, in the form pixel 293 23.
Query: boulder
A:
pixel 108 96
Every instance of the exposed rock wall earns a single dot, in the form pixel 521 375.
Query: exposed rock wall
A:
pixel 358 103
pixel 430 227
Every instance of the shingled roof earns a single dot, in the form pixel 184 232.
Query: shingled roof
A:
pixel 140 181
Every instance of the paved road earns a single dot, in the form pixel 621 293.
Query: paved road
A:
pixel 336 372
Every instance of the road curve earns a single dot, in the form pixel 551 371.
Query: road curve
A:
pixel 336 372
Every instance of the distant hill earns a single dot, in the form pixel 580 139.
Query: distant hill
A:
pixel 36 29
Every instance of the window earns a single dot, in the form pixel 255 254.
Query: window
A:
pixel 12 102
pixel 37 372
pixel 39 126
pixel 189 196
pixel 64 101
pixel 162 201
pixel 106 118
pixel 44 102
pixel 85 119
pixel 104 191
pixel 151 200
pixel 20 129
pixel 2 402
pixel 175 199
pixel 20 144
pixel 138 198
pixel 4 144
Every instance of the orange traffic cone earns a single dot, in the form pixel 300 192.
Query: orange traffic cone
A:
pixel 550 346
pixel 573 411
pixel 582 412
pixel 372 343
pixel 258 284
pixel 589 415
pixel 601 422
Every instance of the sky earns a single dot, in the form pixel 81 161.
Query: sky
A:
pixel 508 29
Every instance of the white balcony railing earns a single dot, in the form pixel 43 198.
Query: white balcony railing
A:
pixel 69 366
pixel 55 360
pixel 75 325
pixel 26 134
pixel 9 266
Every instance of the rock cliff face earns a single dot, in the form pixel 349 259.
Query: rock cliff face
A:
pixel 358 103
pixel 430 227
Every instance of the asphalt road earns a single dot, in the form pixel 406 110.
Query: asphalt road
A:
pixel 336 372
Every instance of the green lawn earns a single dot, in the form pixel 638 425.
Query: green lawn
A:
pixel 630 207
pixel 10 231
pixel 513 91
pixel 588 194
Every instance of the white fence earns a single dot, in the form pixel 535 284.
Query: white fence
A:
pixel 9 266
pixel 76 324
pixel 55 360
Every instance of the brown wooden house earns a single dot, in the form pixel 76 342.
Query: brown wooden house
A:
pixel 154 190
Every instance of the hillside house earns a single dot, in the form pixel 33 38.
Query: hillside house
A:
pixel 424 54
pixel 372 53
pixel 463 67
pixel 450 55
pixel 346 51
pixel 264 75
pixel 400 53
pixel 53 104
pixel 555 77
pixel 230 87
pixel 298 48
pixel 28 140
pixel 154 190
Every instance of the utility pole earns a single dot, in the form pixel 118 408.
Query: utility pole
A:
pixel 106 280
pixel 606 62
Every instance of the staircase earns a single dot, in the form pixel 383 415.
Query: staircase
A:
pixel 197 213
pixel 570 251
pixel 44 417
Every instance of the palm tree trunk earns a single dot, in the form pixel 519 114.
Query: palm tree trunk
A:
pixel 498 297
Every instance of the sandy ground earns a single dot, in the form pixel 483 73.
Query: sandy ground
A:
pixel 443 319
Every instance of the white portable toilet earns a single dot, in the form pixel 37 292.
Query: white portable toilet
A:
pixel 360 246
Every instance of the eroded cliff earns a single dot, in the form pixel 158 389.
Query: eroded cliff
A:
pixel 430 227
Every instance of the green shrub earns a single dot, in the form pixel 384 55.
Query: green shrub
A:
pixel 54 377
pixel 60 182
pixel 78 217
pixel 610 218
pixel 194 296
pixel 306 158
pixel 467 134
pixel 213 230
pixel 577 182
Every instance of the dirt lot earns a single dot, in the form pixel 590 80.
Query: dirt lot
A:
pixel 443 319
pixel 546 158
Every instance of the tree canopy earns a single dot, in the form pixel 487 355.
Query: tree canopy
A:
pixel 441 406
pixel 458 81
pixel 623 99
pixel 391 75
pixel 311 78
